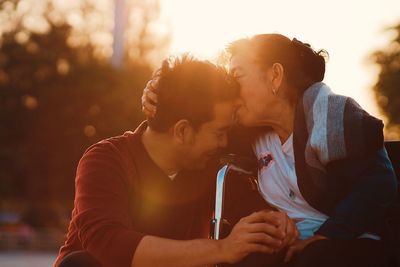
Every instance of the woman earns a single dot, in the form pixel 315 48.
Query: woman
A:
pixel 321 157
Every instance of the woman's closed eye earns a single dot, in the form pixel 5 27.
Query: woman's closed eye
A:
pixel 238 76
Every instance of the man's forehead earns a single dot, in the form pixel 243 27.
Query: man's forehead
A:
pixel 219 125
pixel 224 113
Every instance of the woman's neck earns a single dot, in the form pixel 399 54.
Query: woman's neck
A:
pixel 283 133
pixel 282 122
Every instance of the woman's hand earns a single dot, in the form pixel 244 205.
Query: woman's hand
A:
pixel 288 226
pixel 299 245
pixel 149 97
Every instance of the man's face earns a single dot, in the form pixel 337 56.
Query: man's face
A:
pixel 210 138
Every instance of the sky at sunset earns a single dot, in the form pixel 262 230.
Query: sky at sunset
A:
pixel 348 30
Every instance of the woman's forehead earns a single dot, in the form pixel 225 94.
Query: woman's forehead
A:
pixel 241 62
pixel 237 62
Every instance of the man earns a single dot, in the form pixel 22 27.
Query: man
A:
pixel 145 198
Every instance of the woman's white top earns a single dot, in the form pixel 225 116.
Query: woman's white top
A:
pixel 278 183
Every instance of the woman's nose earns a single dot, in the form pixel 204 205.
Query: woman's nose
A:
pixel 238 102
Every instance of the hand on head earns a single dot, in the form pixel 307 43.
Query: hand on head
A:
pixel 149 97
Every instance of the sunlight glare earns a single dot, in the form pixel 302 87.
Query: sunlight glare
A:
pixel 349 30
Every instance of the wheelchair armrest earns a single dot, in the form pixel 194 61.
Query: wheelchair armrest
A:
pixel 240 163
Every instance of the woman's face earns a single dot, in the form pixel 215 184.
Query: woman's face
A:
pixel 255 90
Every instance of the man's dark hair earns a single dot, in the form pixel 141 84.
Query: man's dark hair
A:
pixel 189 88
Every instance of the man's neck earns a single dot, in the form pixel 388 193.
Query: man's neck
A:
pixel 160 150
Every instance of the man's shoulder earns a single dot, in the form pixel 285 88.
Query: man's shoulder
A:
pixel 117 149
pixel 114 143
pixel 126 143
pixel 109 159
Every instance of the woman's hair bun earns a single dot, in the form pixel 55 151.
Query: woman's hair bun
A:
pixel 311 62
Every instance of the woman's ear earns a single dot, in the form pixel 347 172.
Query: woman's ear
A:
pixel 277 73
pixel 183 132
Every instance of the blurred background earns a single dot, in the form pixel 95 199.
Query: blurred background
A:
pixel 72 73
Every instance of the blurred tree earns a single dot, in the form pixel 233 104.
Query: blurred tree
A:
pixel 59 95
pixel 387 88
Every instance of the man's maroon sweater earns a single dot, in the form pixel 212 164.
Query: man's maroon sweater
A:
pixel 121 195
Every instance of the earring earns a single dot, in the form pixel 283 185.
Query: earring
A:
pixel 274 91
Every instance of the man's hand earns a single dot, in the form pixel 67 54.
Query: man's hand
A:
pixel 300 245
pixel 258 232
